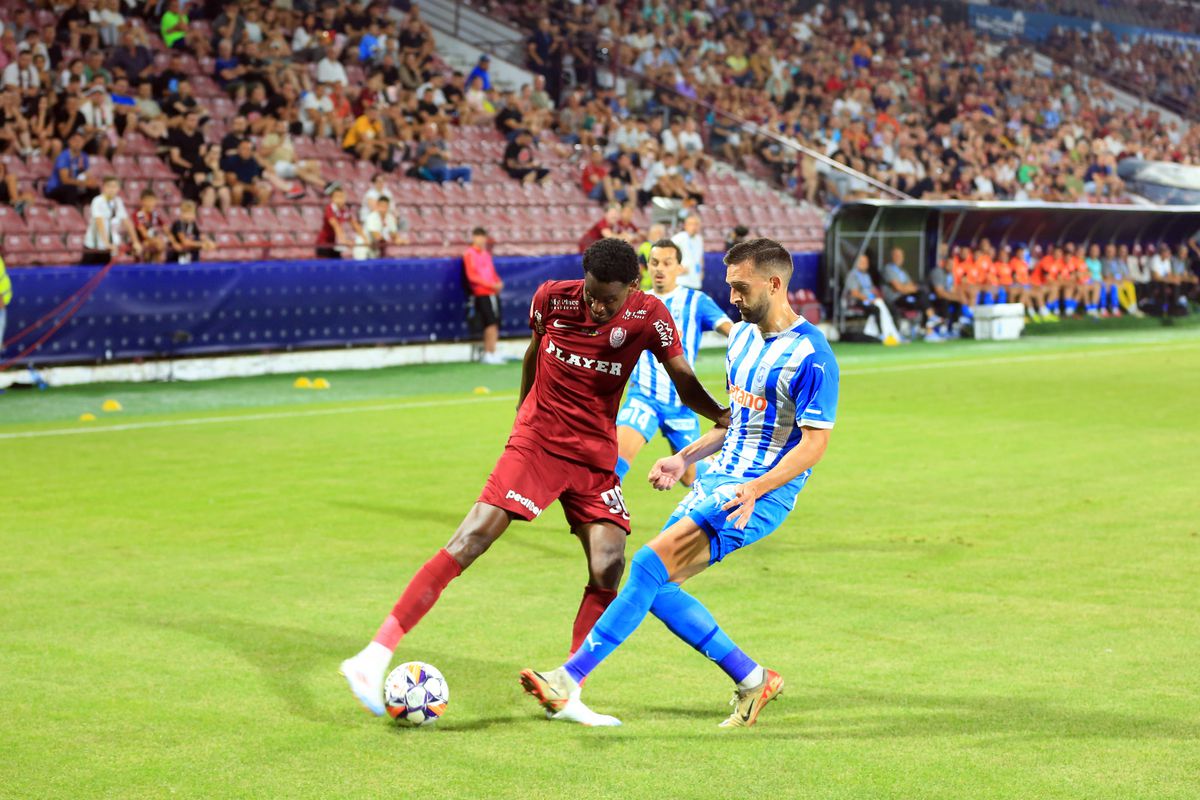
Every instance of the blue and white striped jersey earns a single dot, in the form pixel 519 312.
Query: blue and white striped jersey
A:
pixel 776 385
pixel 694 313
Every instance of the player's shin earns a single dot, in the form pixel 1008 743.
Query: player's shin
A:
pixel 595 601
pixel 419 596
pixel 687 618
pixel 646 575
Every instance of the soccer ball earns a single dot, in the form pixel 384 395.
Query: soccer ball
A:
pixel 415 693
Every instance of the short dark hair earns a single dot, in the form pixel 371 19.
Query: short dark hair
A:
pixel 611 261
pixel 148 193
pixel 668 243
pixel 766 255
pixel 479 231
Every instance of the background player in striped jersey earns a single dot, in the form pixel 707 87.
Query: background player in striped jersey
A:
pixel 651 402
pixel 783 388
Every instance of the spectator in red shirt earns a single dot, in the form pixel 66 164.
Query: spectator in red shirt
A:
pixel 335 240
pixel 485 286
pixel 151 227
pixel 607 228
pixel 598 184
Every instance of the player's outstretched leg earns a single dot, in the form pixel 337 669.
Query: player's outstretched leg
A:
pixel 685 547
pixel 687 618
pixel 366 670
pixel 558 693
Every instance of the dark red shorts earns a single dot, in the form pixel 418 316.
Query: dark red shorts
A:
pixel 527 479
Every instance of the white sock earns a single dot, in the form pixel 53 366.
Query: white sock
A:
pixel 376 657
pixel 755 678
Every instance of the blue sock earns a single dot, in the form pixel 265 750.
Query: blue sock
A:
pixel 1002 296
pixel 622 468
pixel 1091 306
pixel 646 575
pixel 1071 306
pixel 1114 300
pixel 983 299
pixel 687 618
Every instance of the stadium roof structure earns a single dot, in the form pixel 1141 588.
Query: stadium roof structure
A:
pixel 923 228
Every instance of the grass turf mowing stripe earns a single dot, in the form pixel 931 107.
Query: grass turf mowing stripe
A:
pixel 853 372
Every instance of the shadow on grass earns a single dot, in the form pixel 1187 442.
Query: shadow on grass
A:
pixel 862 714
pixel 299 666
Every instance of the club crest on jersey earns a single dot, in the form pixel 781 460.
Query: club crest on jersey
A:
pixel 617 337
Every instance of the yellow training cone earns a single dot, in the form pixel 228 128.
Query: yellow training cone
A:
pixel 482 390
pixel 110 405
pixel 320 383
pixel 891 341
pixel 87 417
pixel 303 383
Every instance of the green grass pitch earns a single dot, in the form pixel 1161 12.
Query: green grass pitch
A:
pixel 989 589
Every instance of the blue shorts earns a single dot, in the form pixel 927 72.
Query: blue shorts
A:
pixel 704 502
pixel 678 424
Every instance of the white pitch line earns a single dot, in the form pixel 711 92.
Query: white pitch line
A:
pixel 970 362
pixel 399 406
pixel 315 412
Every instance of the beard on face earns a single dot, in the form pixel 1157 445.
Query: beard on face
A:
pixel 755 312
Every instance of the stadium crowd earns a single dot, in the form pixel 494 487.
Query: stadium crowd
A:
pixel 896 93
pixel 234 98
pixel 1162 71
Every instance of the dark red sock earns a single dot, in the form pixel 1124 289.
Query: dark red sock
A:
pixel 595 600
pixel 419 596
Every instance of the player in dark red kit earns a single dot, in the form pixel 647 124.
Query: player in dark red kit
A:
pixel 587 337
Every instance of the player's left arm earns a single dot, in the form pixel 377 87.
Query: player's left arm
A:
pixel 795 463
pixel 814 390
pixel 692 392
pixel 723 328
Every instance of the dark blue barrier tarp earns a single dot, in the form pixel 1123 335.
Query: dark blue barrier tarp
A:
pixel 153 310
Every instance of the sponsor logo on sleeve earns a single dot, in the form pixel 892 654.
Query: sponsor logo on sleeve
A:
pixel 665 332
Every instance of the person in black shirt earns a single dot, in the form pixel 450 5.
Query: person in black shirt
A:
pixel 183 102
pixel 519 161
pixel 509 120
pixel 185 242
pixel 233 139
pixel 166 83
pixel 257 110
pixel 67 118
pixel 245 175
pixel 186 147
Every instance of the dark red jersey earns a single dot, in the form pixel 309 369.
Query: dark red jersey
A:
pixel 582 369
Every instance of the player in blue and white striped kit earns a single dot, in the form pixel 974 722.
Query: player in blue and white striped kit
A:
pixel 783 391
pixel 651 402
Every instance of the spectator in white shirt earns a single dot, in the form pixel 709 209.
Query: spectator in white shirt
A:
pixel 381 229
pixel 107 220
pixel 21 75
pixel 330 70
pixel 691 244
pixel 316 112
pixel 379 189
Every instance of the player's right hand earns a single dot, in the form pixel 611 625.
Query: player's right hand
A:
pixel 666 472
